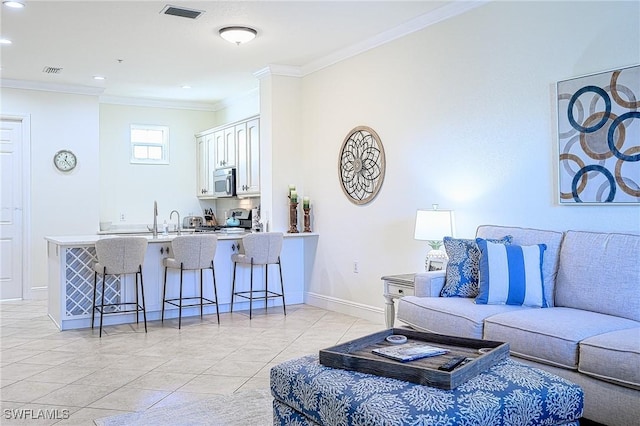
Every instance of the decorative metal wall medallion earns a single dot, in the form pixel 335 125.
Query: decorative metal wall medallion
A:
pixel 361 165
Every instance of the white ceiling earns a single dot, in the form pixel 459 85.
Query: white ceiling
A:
pixel 144 54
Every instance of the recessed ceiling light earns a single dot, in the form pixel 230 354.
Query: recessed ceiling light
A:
pixel 14 4
pixel 5 41
pixel 186 86
pixel 238 35
pixel 98 77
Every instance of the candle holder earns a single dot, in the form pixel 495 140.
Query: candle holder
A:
pixel 293 218
pixel 307 219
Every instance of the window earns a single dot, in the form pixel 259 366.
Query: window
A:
pixel 149 144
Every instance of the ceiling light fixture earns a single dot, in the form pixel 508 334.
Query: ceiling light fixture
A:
pixel 238 35
pixel 98 77
pixel 14 4
pixel 5 41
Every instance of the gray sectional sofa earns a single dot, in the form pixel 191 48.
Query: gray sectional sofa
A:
pixel 590 331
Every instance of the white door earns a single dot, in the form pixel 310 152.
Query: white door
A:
pixel 12 204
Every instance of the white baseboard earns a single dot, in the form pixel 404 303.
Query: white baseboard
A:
pixel 38 293
pixel 347 307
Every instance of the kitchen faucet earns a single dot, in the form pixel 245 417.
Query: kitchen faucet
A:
pixel 171 214
pixel 155 220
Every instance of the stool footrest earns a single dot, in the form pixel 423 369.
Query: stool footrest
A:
pixel 100 308
pixel 205 301
pixel 265 294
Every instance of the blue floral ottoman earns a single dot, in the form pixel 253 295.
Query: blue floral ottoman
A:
pixel 509 393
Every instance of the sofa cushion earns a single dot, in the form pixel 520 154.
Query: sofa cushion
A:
pixel 527 237
pixel 510 274
pixel 455 316
pixel 462 267
pixel 428 284
pixel 613 356
pixel 601 273
pixel 552 335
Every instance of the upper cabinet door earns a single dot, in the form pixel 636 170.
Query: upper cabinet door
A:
pixel 218 148
pixel 248 167
pixel 204 166
pixel 225 141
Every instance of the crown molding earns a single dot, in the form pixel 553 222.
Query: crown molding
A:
pixel 51 87
pixel 227 102
pixel 276 69
pixel 419 23
pixel 158 103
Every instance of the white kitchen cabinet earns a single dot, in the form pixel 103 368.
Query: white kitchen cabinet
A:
pixel 232 145
pixel 205 164
pixel 70 267
pixel 153 274
pixel 248 167
pixel 225 148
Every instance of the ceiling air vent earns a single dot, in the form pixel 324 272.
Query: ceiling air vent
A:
pixel 51 70
pixel 181 11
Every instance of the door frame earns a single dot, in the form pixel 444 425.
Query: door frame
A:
pixel 25 119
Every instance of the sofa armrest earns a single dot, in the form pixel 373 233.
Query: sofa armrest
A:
pixel 429 284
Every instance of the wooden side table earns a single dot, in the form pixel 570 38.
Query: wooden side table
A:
pixel 395 286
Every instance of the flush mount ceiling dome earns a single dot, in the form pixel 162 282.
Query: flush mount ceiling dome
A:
pixel 16 4
pixel 238 35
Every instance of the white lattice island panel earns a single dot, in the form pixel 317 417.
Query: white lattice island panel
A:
pixel 79 282
pixel 70 270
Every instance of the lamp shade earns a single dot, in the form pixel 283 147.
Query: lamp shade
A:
pixel 432 225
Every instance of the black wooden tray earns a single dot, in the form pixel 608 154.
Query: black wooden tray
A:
pixel 356 355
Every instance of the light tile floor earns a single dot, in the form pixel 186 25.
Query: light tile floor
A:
pixel 76 374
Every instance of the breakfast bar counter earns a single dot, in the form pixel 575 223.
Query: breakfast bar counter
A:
pixel 70 274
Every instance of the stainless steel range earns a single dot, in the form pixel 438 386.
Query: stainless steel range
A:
pixel 244 223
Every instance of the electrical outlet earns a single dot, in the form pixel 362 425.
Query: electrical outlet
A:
pixel 121 217
pixel 355 267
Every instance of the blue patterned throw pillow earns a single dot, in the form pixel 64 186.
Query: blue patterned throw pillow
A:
pixel 510 274
pixel 461 278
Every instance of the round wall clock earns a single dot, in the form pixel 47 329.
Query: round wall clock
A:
pixel 361 165
pixel 65 160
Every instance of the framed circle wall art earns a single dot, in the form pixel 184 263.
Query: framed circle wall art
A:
pixel 361 165
pixel 599 138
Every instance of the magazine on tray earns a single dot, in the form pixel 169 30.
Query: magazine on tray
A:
pixel 409 351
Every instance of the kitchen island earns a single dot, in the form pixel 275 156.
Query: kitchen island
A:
pixel 70 273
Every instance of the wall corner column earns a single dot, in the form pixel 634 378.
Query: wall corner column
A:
pixel 280 142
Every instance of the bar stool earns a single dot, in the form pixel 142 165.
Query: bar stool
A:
pixel 191 252
pixel 119 256
pixel 259 249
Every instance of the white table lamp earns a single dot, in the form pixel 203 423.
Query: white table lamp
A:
pixel 432 226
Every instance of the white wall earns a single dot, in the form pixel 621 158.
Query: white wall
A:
pixel 237 109
pixel 281 146
pixel 131 189
pixel 466 112
pixel 61 203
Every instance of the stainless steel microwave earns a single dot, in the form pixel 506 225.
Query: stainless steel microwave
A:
pixel 224 182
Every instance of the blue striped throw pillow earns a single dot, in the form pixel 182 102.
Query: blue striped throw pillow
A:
pixel 461 279
pixel 510 274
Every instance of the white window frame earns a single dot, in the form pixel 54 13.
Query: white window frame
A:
pixel 164 145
